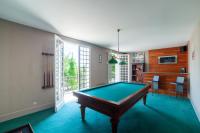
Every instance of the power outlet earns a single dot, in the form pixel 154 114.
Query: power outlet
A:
pixel 34 103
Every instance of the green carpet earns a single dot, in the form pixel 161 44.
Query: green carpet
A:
pixel 163 114
pixel 123 90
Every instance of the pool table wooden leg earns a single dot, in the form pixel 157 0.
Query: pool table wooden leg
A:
pixel 114 122
pixel 145 99
pixel 82 112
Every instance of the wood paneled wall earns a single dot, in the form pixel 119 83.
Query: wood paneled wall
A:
pixel 182 58
pixel 164 82
pixel 168 72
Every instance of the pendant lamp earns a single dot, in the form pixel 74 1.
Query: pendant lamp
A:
pixel 122 62
pixel 113 60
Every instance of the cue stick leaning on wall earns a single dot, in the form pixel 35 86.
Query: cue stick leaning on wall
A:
pixel 49 55
pixel 47 67
pixel 52 67
pixel 44 76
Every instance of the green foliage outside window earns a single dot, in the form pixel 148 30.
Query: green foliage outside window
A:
pixel 113 69
pixel 70 72
pixel 113 72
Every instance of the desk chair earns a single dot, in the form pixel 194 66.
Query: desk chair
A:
pixel 154 82
pixel 179 85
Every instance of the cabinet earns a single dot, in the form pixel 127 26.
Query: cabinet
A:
pixel 138 66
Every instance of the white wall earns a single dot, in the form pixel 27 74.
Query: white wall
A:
pixel 194 66
pixel 99 71
pixel 146 58
pixel 21 69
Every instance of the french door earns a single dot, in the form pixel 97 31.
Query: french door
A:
pixel 116 72
pixel 59 73
pixel 111 70
pixel 84 67
pixel 124 69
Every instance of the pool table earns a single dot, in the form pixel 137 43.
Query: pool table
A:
pixel 112 99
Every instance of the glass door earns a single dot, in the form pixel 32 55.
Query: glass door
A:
pixel 84 67
pixel 111 69
pixel 59 73
pixel 124 69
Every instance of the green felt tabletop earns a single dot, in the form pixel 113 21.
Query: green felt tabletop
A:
pixel 114 92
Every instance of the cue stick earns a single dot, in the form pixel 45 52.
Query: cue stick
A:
pixel 43 57
pixel 52 78
pixel 52 69
pixel 49 69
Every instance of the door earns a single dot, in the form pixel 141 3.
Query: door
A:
pixel 111 69
pixel 110 77
pixel 59 73
pixel 124 69
pixel 84 67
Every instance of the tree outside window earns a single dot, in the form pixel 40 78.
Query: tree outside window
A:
pixel 70 72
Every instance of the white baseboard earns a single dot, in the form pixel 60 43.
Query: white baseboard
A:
pixel 195 109
pixel 25 111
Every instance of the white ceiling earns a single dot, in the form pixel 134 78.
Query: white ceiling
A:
pixel 145 24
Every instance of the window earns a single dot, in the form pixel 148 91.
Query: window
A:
pixel 84 67
pixel 113 73
pixel 124 69
pixel 112 69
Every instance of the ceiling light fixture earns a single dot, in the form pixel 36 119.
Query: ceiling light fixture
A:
pixel 113 59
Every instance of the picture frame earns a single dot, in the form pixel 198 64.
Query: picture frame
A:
pixel 173 59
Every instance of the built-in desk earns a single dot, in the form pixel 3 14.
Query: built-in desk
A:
pixel 164 83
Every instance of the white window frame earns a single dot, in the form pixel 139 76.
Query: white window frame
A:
pixel 59 73
pixel 89 80
pixel 116 79
pixel 124 69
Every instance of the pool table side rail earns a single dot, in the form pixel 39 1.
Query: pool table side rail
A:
pixel 108 107
pixel 88 89
pixel 101 105
pixel 128 102
pixel 145 89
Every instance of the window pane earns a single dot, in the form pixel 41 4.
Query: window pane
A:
pixel 84 67
pixel 124 69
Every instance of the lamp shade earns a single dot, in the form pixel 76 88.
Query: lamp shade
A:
pixel 123 62
pixel 112 61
